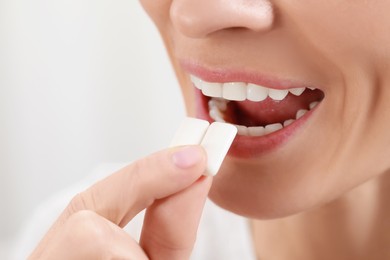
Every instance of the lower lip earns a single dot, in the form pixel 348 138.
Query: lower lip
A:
pixel 249 146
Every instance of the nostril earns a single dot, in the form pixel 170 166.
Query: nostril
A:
pixel 197 19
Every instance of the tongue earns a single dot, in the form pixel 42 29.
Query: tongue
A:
pixel 269 111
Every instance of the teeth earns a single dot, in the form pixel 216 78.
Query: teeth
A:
pixel 235 91
pixel 222 93
pixel 297 91
pixel 256 131
pixel 216 115
pixel 273 128
pixel 217 107
pixel 277 94
pixel 256 93
pixel 314 104
pixel 242 130
pixel 240 91
pixel 211 89
pixel 301 113
pixel 288 122
pixel 196 81
pixel 219 103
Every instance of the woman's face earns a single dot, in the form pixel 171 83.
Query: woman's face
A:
pixel 269 52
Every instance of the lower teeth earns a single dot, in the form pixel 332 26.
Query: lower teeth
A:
pixel 218 106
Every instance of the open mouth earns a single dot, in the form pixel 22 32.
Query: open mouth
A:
pixel 256 110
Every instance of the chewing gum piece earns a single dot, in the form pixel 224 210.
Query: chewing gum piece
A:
pixel 217 141
pixel 191 132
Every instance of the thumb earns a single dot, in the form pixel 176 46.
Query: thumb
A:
pixel 171 224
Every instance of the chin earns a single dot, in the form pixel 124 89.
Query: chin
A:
pixel 261 192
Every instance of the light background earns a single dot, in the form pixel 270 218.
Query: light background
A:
pixel 81 82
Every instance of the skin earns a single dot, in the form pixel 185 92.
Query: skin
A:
pixel 163 182
pixel 323 194
pixel 333 174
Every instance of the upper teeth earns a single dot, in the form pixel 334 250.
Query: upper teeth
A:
pixel 240 91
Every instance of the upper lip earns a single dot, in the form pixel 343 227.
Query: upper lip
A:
pixel 224 75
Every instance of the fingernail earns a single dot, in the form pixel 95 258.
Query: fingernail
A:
pixel 187 156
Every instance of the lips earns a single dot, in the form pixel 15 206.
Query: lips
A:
pixel 266 116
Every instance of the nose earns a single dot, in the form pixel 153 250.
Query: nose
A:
pixel 199 18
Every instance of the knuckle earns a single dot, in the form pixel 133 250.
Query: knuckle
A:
pixel 88 222
pixel 77 204
pixel 139 167
pixel 88 228
pixel 136 175
pixel 141 176
pixel 83 201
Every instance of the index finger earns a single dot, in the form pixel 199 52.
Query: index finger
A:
pixel 124 194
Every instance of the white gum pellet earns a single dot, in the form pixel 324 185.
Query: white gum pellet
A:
pixel 190 132
pixel 216 139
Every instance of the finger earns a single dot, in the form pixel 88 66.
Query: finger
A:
pixel 171 224
pixel 124 194
pixel 100 239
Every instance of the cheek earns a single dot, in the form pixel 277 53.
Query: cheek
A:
pixel 345 32
pixel 269 194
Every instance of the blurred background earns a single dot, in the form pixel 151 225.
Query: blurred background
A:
pixel 82 82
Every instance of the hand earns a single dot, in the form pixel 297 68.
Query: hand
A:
pixel 168 184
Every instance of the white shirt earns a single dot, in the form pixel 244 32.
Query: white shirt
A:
pixel 221 234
